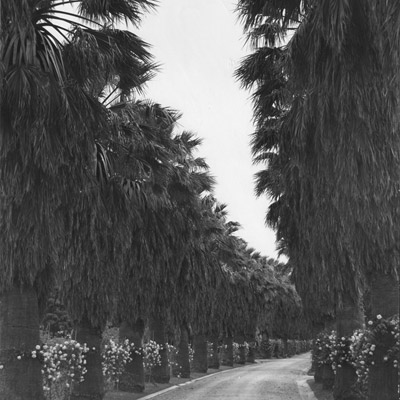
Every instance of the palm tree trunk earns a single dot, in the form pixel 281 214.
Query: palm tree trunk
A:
pixel 327 377
pixel 200 362
pixel 132 380
pixel 318 373
pixel 348 318
pixel 183 352
pixel 239 339
pixel 251 355
pixel 160 373
pixel 285 348
pixel 19 333
pixel 265 347
pixel 319 369
pixel 227 358
pixel 214 360
pixel 93 385
pixel 383 377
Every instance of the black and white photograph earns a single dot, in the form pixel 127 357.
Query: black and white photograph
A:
pixel 199 200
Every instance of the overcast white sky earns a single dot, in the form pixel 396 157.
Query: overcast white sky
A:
pixel 200 44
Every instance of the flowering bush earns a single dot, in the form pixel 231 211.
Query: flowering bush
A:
pixel 191 354
pixel 362 352
pixel 67 358
pixel 173 357
pixel 382 333
pixel 151 355
pixel 323 347
pixel 236 351
pixel 115 357
pixel 172 351
pixel 63 364
pixel 341 353
pixel 359 349
pixel 210 351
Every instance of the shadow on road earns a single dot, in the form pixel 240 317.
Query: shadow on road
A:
pixel 319 393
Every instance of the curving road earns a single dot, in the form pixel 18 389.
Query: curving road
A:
pixel 270 380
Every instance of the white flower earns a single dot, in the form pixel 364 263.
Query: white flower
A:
pixel 1 366
pixel 370 322
pixel 37 347
pixel 18 357
pixel 379 316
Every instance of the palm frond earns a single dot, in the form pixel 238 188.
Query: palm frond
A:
pixel 105 10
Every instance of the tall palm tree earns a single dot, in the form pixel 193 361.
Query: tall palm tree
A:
pixel 338 178
pixel 49 121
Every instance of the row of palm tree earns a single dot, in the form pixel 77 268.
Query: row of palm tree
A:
pixel 244 297
pixel 101 197
pixel 326 105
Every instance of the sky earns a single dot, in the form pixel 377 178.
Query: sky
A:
pixel 199 44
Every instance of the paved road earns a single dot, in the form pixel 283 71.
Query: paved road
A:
pixel 270 380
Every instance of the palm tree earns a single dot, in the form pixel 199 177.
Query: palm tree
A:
pixel 42 154
pixel 339 65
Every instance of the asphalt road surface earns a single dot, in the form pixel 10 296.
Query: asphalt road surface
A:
pixel 270 380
